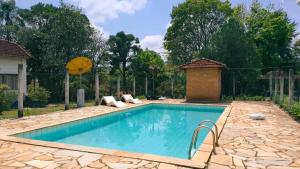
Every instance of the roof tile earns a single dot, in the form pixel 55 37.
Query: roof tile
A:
pixel 12 49
pixel 203 63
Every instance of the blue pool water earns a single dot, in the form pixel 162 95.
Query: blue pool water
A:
pixel 159 129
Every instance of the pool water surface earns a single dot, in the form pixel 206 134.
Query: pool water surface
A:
pixel 159 129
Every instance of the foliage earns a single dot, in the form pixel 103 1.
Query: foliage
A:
pixel 244 98
pixel 4 101
pixel 193 24
pixel 272 32
pixel 293 109
pixel 38 96
pixel 232 46
pixel 10 22
pixel 141 97
pixel 148 64
pixel 124 47
pixel 54 36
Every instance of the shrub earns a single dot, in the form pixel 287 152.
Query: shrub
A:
pixel 38 96
pixel 4 100
pixel 250 98
pixel 141 97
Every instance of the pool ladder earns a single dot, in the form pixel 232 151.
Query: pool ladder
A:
pixel 215 136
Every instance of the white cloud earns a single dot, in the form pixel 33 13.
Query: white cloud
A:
pixel 100 11
pixel 155 43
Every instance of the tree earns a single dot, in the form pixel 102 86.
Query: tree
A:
pixel 232 46
pixel 123 47
pixel 9 19
pixel 272 32
pixel 146 64
pixel 54 36
pixel 193 24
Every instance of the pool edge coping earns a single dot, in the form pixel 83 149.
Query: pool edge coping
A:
pixel 199 160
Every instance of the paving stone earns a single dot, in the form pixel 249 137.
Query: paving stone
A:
pixel 17 164
pixel 96 164
pixel 71 165
pixel 88 158
pixel 166 166
pixel 280 167
pixel 68 153
pixel 221 159
pixel 217 166
pixel 39 163
pixel 110 159
pixel 238 163
pixel 119 165
pixel 266 154
pixel 44 157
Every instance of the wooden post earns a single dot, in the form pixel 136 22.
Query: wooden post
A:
pixel 271 84
pixel 67 91
pixel 281 82
pixel 133 87
pixel 291 86
pixel 146 86
pixel 97 99
pixel 276 86
pixel 233 85
pixel 20 90
pixel 118 88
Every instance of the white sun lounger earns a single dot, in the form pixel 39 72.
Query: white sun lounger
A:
pixel 111 101
pixel 129 99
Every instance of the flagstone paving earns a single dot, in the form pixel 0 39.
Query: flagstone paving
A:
pixel 270 144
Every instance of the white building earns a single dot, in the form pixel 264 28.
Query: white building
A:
pixel 11 55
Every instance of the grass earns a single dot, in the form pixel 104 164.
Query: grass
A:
pixel 13 113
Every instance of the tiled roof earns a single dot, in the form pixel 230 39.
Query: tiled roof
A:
pixel 203 63
pixel 11 49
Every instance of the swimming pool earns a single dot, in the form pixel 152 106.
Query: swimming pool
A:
pixel 159 129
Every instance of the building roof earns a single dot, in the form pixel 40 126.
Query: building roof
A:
pixel 203 63
pixel 12 49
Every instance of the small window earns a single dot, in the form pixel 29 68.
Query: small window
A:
pixel 10 80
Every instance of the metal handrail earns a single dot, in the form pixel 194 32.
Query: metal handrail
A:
pixel 216 128
pixel 192 148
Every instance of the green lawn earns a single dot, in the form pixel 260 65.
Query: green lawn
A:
pixel 13 113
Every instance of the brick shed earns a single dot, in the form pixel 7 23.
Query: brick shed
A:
pixel 203 80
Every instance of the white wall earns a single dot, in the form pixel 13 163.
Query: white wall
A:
pixel 9 65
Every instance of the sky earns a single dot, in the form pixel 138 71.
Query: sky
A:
pixel 146 19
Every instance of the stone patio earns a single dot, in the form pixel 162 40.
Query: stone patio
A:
pixel 271 144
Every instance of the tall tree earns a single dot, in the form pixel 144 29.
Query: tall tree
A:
pixel 272 32
pixel 232 46
pixel 148 64
pixel 54 35
pixel 9 19
pixel 193 24
pixel 123 47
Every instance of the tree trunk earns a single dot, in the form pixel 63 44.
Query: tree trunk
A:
pixel 124 77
